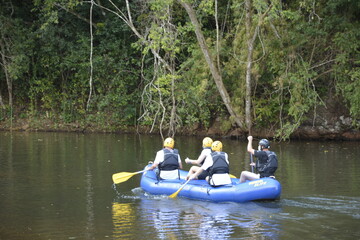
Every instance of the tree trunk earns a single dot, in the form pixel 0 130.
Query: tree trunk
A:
pixel 91 57
pixel 7 76
pixel 2 103
pixel 250 45
pixel 251 36
pixel 172 128
pixel 214 71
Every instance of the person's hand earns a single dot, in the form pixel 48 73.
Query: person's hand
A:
pixel 187 160
pixel 250 138
pixel 252 164
pixel 191 177
pixel 149 168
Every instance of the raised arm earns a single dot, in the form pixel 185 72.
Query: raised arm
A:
pixel 249 146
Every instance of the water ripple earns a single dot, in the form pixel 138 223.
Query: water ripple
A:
pixel 345 205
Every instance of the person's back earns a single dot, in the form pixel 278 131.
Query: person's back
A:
pixel 168 161
pixel 269 165
pixel 169 167
pixel 219 171
pixel 217 165
pixel 266 163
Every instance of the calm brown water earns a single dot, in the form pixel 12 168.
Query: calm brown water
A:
pixel 58 186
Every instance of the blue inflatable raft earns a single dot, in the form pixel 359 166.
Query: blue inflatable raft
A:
pixel 262 189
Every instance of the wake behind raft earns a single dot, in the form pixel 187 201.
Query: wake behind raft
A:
pixel 261 189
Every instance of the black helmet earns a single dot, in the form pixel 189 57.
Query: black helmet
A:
pixel 264 143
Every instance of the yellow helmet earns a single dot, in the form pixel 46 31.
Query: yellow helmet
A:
pixel 207 142
pixel 169 142
pixel 216 146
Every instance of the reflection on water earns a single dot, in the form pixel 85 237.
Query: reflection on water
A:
pixel 292 218
pixel 89 205
pixel 187 219
pixel 123 216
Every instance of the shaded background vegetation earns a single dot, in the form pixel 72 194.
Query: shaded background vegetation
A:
pixel 88 63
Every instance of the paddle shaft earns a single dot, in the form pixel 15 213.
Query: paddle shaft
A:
pixel 174 195
pixel 140 171
pixel 251 160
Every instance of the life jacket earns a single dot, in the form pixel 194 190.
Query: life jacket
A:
pixel 171 161
pixel 219 163
pixel 219 171
pixel 269 167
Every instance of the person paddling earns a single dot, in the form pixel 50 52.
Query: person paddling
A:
pixel 168 161
pixel 266 163
pixel 206 144
pixel 217 164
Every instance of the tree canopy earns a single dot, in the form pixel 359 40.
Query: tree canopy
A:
pixel 173 64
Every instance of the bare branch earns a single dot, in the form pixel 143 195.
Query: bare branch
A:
pixel 323 63
pixel 91 57
pixel 128 20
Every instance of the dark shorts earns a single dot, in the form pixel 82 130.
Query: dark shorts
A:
pixel 203 175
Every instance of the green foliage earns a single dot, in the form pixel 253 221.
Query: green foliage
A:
pixel 352 92
pixel 207 6
pixel 161 39
pixel 302 98
pixel 347 71
pixel 198 94
pixel 160 8
pixel 303 49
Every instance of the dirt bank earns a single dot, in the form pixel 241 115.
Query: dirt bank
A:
pixel 340 129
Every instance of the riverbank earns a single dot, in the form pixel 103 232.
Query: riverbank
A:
pixel 339 130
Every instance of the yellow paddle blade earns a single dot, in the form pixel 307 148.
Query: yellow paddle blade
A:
pixel 231 176
pixel 123 176
pixel 174 195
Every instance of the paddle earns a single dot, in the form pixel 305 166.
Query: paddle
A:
pixel 251 160
pixel 124 176
pixel 174 195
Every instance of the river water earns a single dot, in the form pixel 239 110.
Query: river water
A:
pixel 59 186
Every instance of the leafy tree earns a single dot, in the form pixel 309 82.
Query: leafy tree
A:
pixel 167 64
